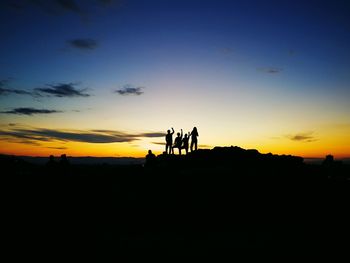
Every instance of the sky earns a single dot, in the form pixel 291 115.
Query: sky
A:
pixel 109 78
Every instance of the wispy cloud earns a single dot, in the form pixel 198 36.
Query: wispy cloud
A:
pixel 5 90
pixel 89 136
pixel 159 143
pixel 302 137
pixel 129 89
pixel 29 111
pixel 152 134
pixel 62 90
pixel 58 148
pixel 270 70
pixel 83 43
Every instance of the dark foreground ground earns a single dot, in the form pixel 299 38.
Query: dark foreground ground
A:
pixel 221 205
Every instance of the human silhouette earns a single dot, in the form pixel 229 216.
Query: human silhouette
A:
pixel 328 161
pixel 150 158
pixel 185 142
pixel 64 161
pixel 194 141
pixel 169 141
pixel 178 142
pixel 51 164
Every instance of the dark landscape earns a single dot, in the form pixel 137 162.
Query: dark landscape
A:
pixel 224 203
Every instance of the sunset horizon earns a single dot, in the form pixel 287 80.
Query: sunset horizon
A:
pixel 109 78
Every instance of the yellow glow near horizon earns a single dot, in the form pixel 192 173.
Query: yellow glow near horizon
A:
pixel 329 141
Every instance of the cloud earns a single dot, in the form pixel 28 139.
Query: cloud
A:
pixel 129 90
pixel 89 136
pixel 57 148
pixel 270 70
pixel 62 90
pixel 204 146
pixel 152 134
pixel 83 43
pixel 29 111
pixel 159 143
pixel 133 135
pixel 302 137
pixel 4 90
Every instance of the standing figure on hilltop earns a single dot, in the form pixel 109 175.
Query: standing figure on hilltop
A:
pixel 194 140
pixel 64 161
pixel 150 158
pixel 178 142
pixel 185 142
pixel 51 164
pixel 169 141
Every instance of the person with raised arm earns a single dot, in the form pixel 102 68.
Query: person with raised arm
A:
pixel 178 142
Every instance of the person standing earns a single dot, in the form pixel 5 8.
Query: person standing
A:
pixel 185 142
pixel 194 141
pixel 150 158
pixel 169 141
pixel 178 141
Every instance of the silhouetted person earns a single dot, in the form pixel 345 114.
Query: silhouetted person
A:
pixel 150 158
pixel 169 141
pixel 178 142
pixel 64 161
pixel 194 141
pixel 185 142
pixel 329 161
pixel 51 164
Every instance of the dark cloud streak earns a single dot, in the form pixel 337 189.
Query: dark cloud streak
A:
pixel 62 90
pixel 152 134
pixel 29 111
pixel 129 90
pixel 88 136
pixel 302 137
pixel 270 70
pixel 4 90
pixel 83 43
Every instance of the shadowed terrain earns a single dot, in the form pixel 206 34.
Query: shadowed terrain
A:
pixel 224 203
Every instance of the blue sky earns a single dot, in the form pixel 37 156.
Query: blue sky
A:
pixel 203 62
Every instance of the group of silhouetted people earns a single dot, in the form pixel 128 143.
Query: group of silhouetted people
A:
pixel 181 141
pixel 63 162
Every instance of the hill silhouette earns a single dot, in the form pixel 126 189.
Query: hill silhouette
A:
pixel 224 203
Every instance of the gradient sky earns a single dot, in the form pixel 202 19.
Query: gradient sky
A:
pixel 108 78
